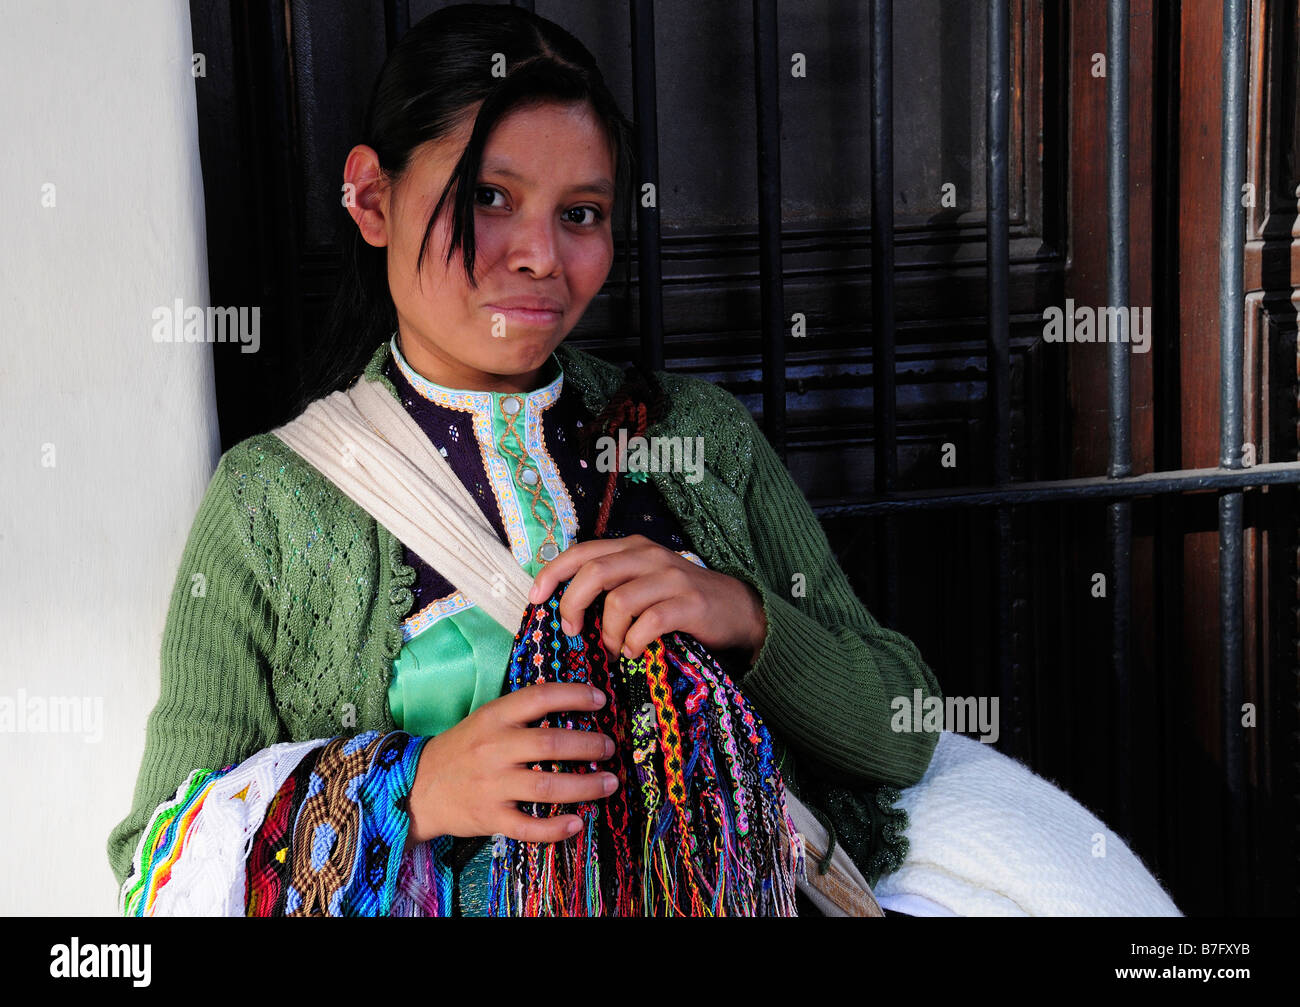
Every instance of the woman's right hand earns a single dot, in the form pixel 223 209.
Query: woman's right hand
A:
pixel 471 778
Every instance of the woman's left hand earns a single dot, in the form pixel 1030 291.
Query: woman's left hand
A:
pixel 651 591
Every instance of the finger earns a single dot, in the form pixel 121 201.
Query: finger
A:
pixel 650 601
pixel 543 786
pixel 567 563
pixel 656 621
pixel 605 573
pixel 524 827
pixel 557 744
pixel 530 704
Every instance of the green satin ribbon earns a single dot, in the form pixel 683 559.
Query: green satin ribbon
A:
pixel 449 671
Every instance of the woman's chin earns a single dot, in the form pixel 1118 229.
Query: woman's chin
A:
pixel 520 361
pixel 525 353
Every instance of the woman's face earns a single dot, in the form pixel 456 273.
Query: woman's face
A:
pixel 544 247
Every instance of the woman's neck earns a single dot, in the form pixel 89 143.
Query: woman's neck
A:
pixel 433 370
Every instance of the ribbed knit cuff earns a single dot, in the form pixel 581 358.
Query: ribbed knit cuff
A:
pixel 804 666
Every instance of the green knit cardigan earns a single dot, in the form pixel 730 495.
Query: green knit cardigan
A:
pixel 286 617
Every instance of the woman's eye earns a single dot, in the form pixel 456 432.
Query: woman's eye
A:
pixel 595 217
pixel 486 195
pixel 491 192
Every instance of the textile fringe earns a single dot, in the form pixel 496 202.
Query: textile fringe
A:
pixel 698 825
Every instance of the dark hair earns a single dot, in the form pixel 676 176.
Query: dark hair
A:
pixel 438 70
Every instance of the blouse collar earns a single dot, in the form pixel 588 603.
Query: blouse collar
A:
pixel 479 401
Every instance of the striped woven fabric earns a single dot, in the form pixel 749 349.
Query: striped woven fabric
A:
pixel 162 842
pixel 298 829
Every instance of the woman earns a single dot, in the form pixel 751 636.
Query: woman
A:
pixel 484 194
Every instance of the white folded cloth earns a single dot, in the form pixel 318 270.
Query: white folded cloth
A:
pixel 989 837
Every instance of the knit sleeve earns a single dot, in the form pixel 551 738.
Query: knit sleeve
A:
pixel 215 706
pixel 827 671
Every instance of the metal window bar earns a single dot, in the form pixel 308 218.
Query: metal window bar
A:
pixel 997 98
pixel 646 117
pixel 884 395
pixel 1118 386
pixel 397 19
pixel 767 105
pixel 1232 300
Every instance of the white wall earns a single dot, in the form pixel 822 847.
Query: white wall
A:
pixel 98 101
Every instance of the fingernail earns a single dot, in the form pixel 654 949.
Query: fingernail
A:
pixel 568 627
pixel 597 697
pixel 574 826
pixel 627 652
pixel 609 747
pixel 610 782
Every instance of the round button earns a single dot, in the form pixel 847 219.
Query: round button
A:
pixel 549 551
pixel 528 477
pixel 510 406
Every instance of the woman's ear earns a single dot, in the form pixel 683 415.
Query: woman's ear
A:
pixel 366 194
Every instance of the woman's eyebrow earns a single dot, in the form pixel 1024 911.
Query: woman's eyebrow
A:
pixel 601 186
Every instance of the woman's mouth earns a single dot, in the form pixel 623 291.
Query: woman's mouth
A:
pixel 540 317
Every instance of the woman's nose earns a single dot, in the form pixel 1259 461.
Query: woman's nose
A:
pixel 533 245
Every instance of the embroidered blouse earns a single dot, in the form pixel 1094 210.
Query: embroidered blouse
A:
pixel 516 453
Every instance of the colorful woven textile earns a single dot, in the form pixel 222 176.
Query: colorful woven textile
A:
pixel 268 859
pixel 698 824
pixel 297 829
pixel 425 882
pixel 208 879
pixel 384 825
pixel 351 828
pixel 324 850
pixel 697 827
pixel 162 842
